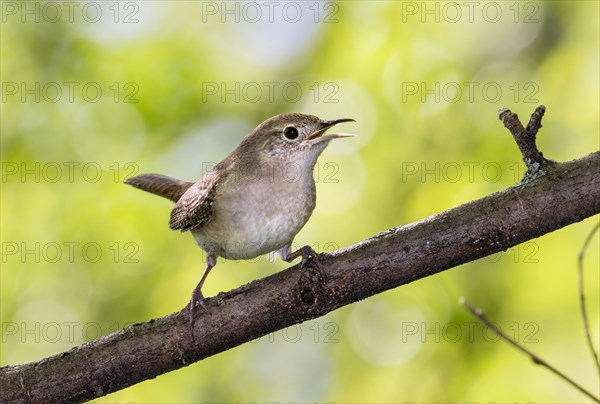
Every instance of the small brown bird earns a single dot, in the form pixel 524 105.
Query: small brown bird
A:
pixel 249 204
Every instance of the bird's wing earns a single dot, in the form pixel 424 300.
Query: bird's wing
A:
pixel 161 185
pixel 195 207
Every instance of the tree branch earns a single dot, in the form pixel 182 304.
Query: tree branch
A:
pixel 563 194
pixel 582 308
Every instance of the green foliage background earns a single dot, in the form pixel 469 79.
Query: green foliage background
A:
pixel 424 81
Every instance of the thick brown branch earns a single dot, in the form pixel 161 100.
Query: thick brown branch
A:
pixel 567 193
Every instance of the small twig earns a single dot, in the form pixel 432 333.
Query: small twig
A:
pixel 536 359
pixel 535 122
pixel 586 325
pixel 525 139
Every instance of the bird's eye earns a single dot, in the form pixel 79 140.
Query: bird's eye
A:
pixel 290 132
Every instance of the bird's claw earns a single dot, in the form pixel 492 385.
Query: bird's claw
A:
pixel 310 259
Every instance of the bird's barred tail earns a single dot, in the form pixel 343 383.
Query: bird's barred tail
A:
pixel 161 185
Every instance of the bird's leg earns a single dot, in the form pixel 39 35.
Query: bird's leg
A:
pixel 197 296
pixel 307 254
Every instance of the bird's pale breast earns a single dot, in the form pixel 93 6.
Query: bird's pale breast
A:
pixel 256 216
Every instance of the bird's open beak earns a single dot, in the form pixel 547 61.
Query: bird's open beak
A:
pixel 317 136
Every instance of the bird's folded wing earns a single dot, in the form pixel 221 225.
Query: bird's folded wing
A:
pixel 195 207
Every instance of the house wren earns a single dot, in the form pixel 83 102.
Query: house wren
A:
pixel 256 200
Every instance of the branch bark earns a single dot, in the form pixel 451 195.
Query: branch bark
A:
pixel 563 194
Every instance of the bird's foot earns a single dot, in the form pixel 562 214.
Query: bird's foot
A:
pixel 311 285
pixel 197 296
pixel 311 260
